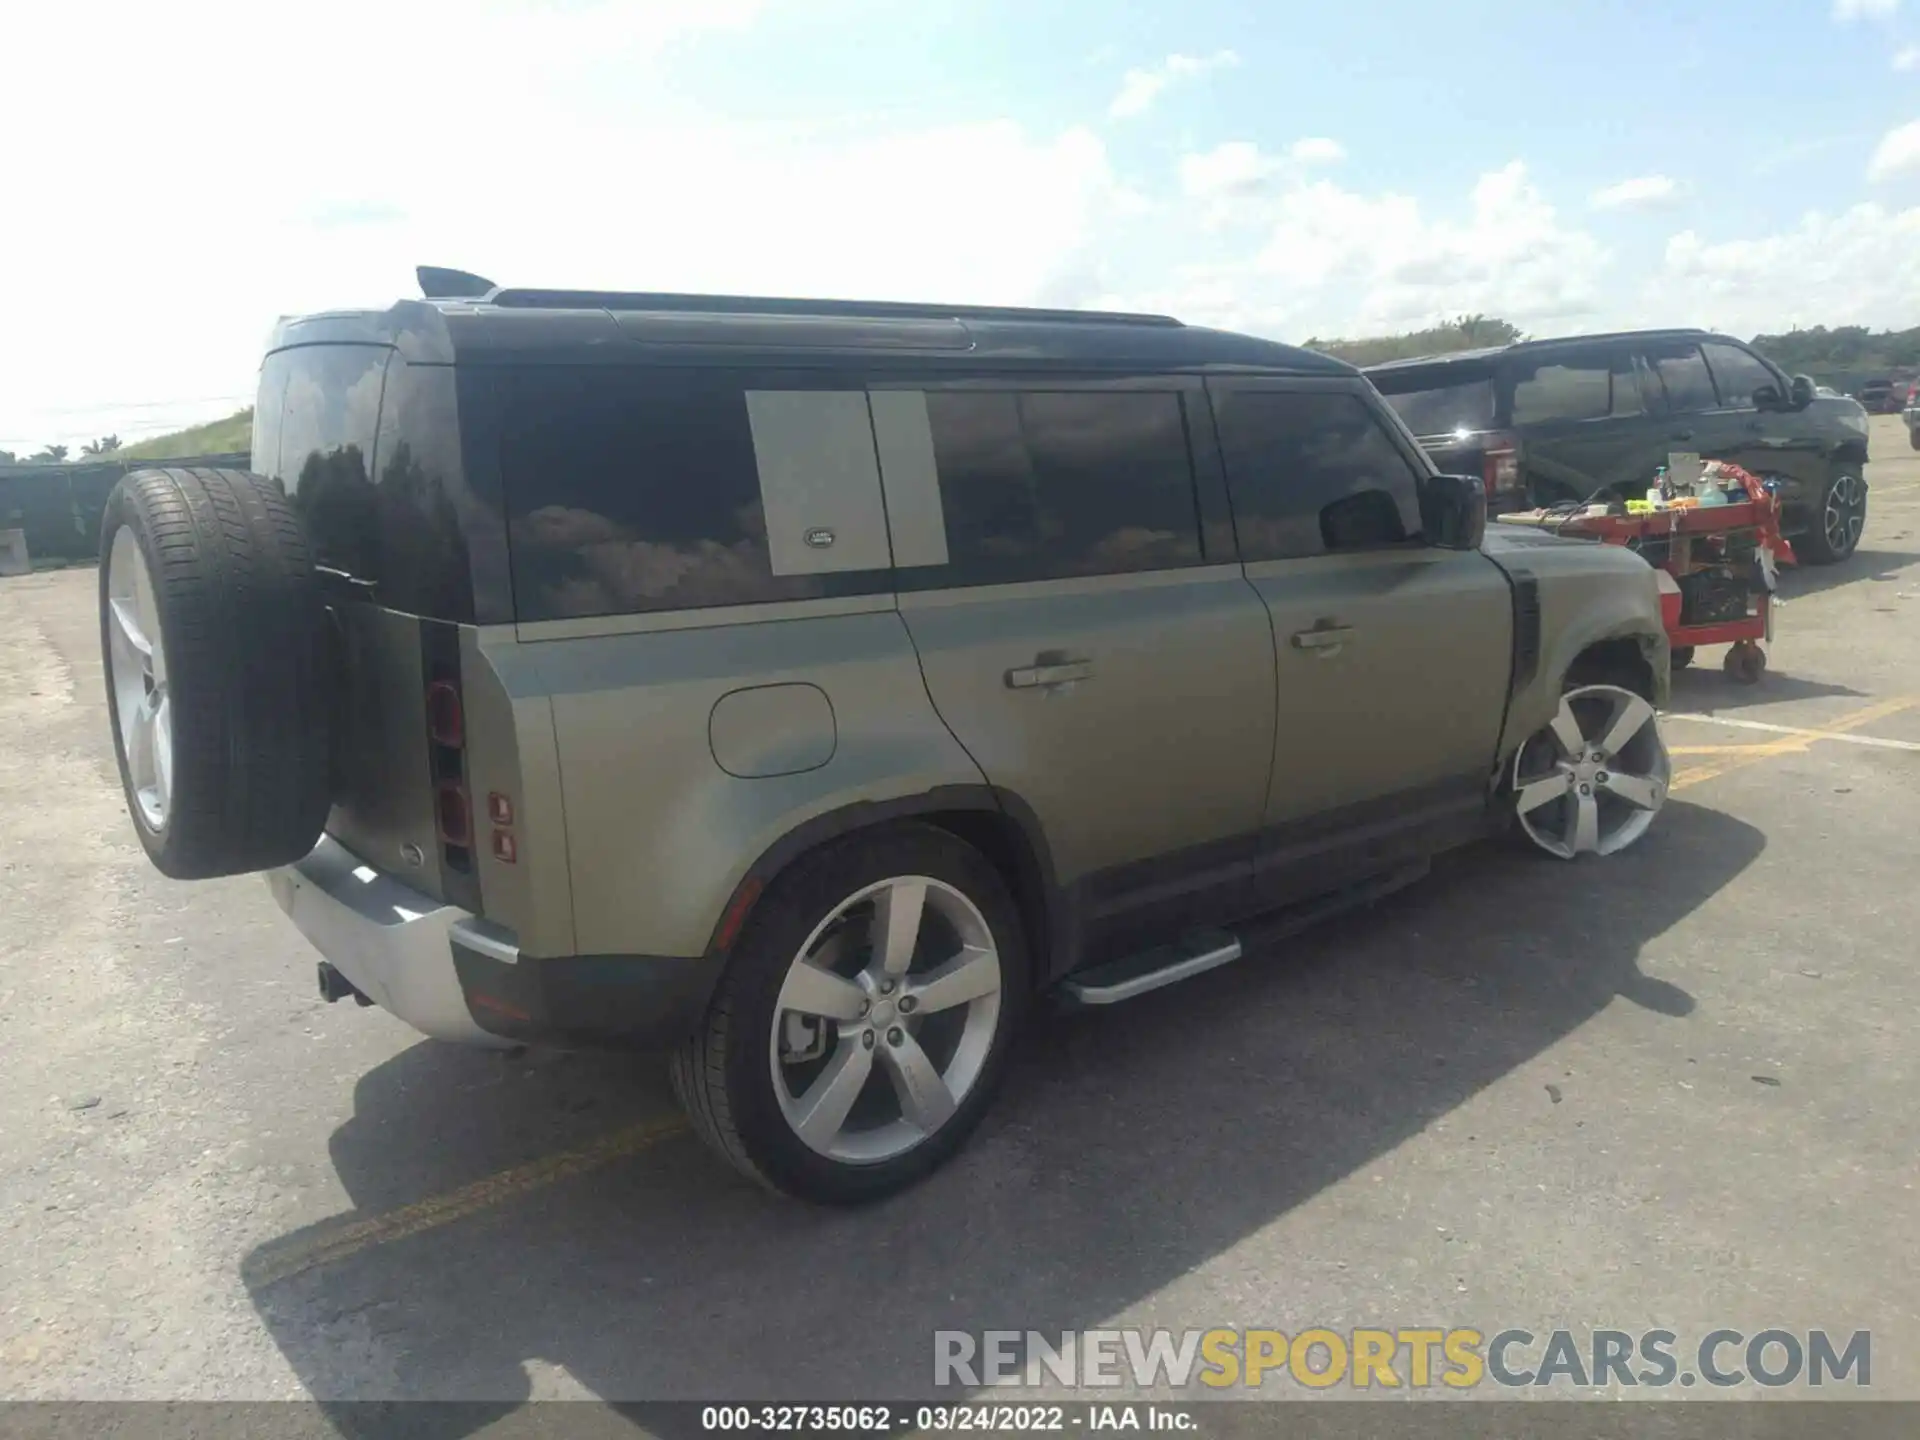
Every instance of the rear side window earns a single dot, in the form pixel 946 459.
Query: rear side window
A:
pixel 1571 385
pixel 1044 485
pixel 633 489
pixel 1682 374
pixel 1736 374
pixel 1313 473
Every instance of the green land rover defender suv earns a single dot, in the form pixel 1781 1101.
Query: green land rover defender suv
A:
pixel 802 688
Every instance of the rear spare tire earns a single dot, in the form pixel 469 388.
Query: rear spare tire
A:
pixel 213 639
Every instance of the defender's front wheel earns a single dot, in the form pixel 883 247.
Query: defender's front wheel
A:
pixel 863 1022
pixel 1591 782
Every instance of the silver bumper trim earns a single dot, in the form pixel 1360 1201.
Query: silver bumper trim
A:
pixel 392 942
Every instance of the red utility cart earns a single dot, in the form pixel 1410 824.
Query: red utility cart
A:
pixel 1708 557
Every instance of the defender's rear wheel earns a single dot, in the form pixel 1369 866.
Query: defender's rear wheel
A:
pixel 1591 782
pixel 213 641
pixel 863 1022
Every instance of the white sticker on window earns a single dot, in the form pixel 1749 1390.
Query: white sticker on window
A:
pixel 819 481
pixel 911 477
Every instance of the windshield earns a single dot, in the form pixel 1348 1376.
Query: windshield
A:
pixel 1440 409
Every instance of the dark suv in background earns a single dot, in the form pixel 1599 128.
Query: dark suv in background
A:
pixel 1592 417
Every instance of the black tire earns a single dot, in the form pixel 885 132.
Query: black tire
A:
pixel 1681 656
pixel 722 1075
pixel 243 622
pixel 1913 438
pixel 1815 545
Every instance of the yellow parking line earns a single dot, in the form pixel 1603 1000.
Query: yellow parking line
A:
pixel 1738 757
pixel 337 1243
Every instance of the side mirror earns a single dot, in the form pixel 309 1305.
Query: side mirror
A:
pixel 1802 391
pixel 1768 397
pixel 1453 511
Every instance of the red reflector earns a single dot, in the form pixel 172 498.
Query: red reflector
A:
pixel 499 808
pixel 1501 472
pixel 445 721
pixel 736 915
pixel 504 850
pixel 454 814
pixel 479 999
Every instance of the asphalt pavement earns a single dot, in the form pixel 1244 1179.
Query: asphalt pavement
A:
pixel 1672 1088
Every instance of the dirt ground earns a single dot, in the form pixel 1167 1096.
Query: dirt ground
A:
pixel 1673 1088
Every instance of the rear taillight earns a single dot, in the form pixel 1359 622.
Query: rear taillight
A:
pixel 1500 466
pixel 453 815
pixel 446 721
pixel 447 742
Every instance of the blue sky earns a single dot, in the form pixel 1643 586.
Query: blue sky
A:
pixel 1285 168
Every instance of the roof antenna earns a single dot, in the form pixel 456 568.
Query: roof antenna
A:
pixel 441 284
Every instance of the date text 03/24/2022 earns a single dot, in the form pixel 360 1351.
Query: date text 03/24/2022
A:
pixel 980 1418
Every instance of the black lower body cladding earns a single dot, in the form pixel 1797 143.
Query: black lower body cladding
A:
pixel 213 634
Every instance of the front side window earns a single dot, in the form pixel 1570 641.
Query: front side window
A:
pixel 1737 374
pixel 1046 485
pixel 1313 473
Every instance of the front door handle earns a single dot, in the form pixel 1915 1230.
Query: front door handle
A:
pixel 1683 434
pixel 1047 672
pixel 1323 637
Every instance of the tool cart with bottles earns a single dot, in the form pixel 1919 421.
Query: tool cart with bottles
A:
pixel 1712 531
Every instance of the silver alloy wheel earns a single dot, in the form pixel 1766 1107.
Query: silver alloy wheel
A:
pixel 137 658
pixel 1846 514
pixel 903 977
pixel 1591 782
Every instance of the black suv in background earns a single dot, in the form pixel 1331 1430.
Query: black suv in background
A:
pixel 1595 416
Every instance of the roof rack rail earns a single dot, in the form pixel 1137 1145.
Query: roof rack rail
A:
pixel 523 298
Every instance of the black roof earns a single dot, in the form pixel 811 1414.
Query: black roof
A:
pixel 468 320
pixel 1488 352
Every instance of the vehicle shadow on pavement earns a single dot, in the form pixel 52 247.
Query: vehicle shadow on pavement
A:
pixel 1704 688
pixel 1129 1147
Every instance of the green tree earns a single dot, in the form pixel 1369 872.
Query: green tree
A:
pixel 105 445
pixel 52 455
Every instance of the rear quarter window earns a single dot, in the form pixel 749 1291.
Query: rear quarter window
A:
pixel 1437 403
pixel 632 489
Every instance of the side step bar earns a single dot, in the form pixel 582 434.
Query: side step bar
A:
pixel 1131 975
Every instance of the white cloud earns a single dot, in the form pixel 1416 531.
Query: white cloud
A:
pixel 1328 260
pixel 1139 89
pixel 1235 168
pixel 1898 153
pixel 584 167
pixel 1845 10
pixel 1318 150
pixel 1907 59
pixel 1645 192
pixel 1857 267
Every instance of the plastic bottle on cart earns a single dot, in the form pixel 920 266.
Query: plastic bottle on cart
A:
pixel 1657 492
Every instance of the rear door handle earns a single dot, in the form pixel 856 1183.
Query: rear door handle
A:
pixel 1057 672
pixel 1322 637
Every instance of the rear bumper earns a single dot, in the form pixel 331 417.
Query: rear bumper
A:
pixel 394 944
pixel 456 977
